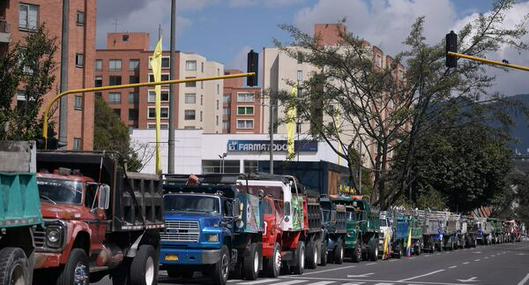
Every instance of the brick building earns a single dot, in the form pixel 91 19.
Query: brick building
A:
pixel 18 18
pixel 126 60
pixel 243 108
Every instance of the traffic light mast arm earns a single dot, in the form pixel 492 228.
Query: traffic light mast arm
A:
pixel 125 86
pixel 486 61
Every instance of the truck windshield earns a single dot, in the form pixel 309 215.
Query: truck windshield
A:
pixel 326 216
pixel 59 191
pixel 190 203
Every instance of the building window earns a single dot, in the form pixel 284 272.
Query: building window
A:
pixel 191 65
pixel 80 18
pixel 77 144
pixel 218 104
pixel 217 166
pixel 164 112
pixel 189 115
pixel 118 113
pixel 226 112
pixel 99 81
pixel 201 100
pixel 134 98
pixel 378 60
pixel 162 126
pixel 191 84
pixel 166 62
pixel 244 124
pixel 201 84
pixel 165 77
pixel 218 89
pixel 190 98
pixel 245 97
pixel 114 65
pixel 134 79
pixel 201 116
pixel 133 114
pixel 99 94
pixel 217 120
pixel 78 104
pixel 226 99
pixel 300 57
pixel 28 17
pixel 202 67
pixel 134 65
pixel 245 110
pixel 79 59
pixel 226 125
pixel 300 75
pixel 114 80
pixel 218 71
pixel 164 96
pixel 99 65
pixel 114 98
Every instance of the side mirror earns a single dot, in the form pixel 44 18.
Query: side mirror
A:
pixel 236 208
pixel 104 197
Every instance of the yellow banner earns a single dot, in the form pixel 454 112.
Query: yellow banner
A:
pixel 156 64
pixel 291 126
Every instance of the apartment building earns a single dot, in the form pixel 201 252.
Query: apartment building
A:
pixel 18 18
pixel 243 107
pixel 126 60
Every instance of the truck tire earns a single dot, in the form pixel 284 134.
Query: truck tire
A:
pixel 77 270
pixel 338 252
pixel 221 269
pixel 312 255
pixel 300 259
pixel 14 266
pixel 323 254
pixel 357 253
pixel 144 266
pixel 273 265
pixel 251 263
pixel 373 250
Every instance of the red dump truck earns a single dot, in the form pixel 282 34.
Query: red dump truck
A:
pixel 98 220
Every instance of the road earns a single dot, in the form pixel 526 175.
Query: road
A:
pixel 502 264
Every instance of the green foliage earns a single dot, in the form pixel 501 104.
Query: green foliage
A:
pixel 110 134
pixel 29 67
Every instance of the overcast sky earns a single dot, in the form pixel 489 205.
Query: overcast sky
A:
pixel 225 30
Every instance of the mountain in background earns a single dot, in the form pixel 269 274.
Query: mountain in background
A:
pixel 520 129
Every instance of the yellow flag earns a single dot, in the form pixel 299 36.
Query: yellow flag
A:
pixel 408 246
pixel 156 65
pixel 291 126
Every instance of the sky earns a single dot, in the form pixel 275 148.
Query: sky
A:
pixel 225 30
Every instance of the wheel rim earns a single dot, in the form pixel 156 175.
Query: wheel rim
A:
pixel 302 257
pixel 256 262
pixel 80 274
pixel 149 271
pixel 277 260
pixel 341 253
pixel 225 267
pixel 17 276
pixel 376 252
pixel 315 256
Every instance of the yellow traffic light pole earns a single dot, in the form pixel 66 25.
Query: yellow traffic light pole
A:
pixel 486 61
pixel 125 86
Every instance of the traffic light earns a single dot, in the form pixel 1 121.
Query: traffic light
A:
pixel 451 46
pixel 253 66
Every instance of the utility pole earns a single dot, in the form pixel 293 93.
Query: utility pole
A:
pixel 63 114
pixel 172 71
pixel 271 135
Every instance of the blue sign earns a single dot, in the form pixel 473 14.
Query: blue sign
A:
pixel 264 146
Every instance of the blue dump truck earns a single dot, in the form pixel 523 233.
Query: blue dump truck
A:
pixel 213 225
pixel 335 230
pixel 19 211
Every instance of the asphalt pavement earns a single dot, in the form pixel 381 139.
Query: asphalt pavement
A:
pixel 502 264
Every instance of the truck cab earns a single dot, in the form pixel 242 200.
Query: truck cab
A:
pixel 214 227
pixel 363 230
pixel 334 224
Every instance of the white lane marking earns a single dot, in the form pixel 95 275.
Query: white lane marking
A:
pixel 453 266
pixel 423 275
pixel 476 260
pixel 360 275
pixel 524 280
pixel 471 279
pixel 261 281
pixel 321 283
pixel 393 260
pixel 384 283
pixel 372 263
pixel 466 262
pixel 369 280
pixel 356 283
pixel 290 282
pixel 328 270
pixel 486 257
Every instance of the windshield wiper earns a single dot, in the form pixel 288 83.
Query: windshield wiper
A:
pixel 48 198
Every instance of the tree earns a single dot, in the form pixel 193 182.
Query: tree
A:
pixel 29 67
pixel 352 99
pixel 110 134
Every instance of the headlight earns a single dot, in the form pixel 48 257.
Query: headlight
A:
pixel 54 236
pixel 239 224
pixel 213 238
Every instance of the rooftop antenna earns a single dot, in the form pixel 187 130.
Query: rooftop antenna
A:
pixel 115 23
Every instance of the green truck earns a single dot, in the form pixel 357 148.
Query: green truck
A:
pixel 19 211
pixel 363 230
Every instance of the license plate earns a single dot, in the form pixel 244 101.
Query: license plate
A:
pixel 171 258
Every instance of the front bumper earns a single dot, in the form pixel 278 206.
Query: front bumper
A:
pixel 47 260
pixel 189 256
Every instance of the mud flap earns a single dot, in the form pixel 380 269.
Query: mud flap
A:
pixel 131 252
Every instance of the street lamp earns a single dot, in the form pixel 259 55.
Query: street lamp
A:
pixel 222 157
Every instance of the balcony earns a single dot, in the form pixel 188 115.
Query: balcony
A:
pixel 5 31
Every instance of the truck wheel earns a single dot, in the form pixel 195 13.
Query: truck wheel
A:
pixel 251 263
pixel 373 250
pixel 338 253
pixel 324 254
pixel 273 265
pixel 144 267
pixel 221 270
pixel 357 253
pixel 312 255
pixel 14 266
pixel 300 259
pixel 76 271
